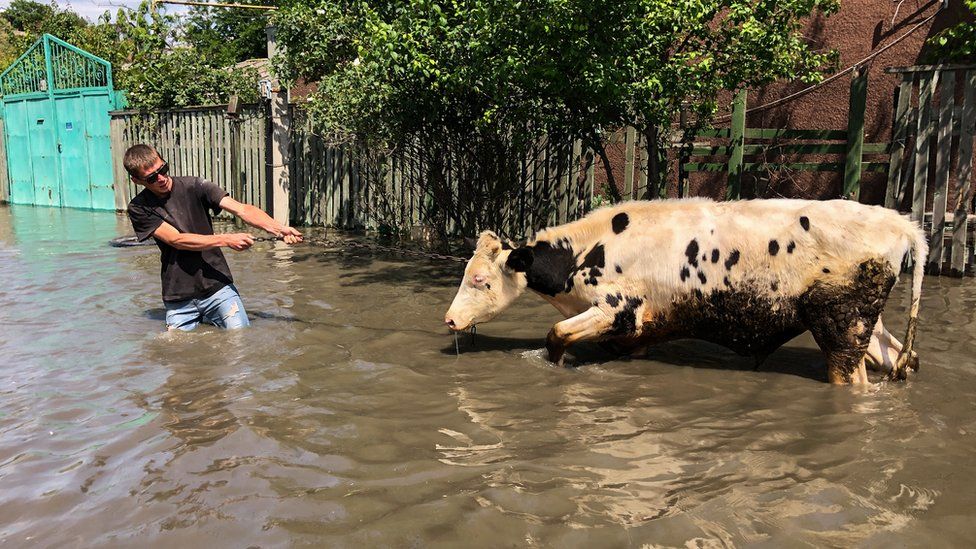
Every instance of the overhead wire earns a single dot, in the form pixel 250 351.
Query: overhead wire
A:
pixel 835 76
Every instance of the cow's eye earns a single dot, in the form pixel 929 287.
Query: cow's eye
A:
pixel 488 286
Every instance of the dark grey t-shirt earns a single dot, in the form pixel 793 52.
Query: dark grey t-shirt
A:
pixel 185 274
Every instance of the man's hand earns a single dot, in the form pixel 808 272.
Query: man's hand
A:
pixel 238 241
pixel 290 235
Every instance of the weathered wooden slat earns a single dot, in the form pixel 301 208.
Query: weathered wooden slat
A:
pixel 941 190
pixel 964 172
pixel 855 134
pixel 786 148
pixel 733 191
pixel 928 68
pixel 927 84
pixel 835 167
pixel 630 147
pixel 765 133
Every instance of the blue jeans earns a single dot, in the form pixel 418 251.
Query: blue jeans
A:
pixel 223 309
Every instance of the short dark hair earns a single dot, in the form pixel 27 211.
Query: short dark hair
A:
pixel 139 158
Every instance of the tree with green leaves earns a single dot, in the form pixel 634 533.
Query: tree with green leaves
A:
pixel 491 77
pixel 956 44
pixel 227 36
pixel 149 51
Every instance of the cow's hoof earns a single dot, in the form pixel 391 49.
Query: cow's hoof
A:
pixel 913 361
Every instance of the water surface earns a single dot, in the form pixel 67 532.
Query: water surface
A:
pixel 344 417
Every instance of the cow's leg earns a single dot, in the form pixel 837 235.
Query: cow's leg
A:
pixel 843 318
pixel 884 349
pixel 590 324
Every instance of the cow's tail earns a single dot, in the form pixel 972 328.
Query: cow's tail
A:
pixel 920 251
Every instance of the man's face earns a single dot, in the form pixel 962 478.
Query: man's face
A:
pixel 153 179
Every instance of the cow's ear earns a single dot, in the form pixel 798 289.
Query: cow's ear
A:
pixel 520 260
pixel 489 244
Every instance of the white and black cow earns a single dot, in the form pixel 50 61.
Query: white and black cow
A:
pixel 749 275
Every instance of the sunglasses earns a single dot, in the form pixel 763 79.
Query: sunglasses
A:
pixel 153 177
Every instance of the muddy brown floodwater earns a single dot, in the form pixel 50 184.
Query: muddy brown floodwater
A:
pixel 344 418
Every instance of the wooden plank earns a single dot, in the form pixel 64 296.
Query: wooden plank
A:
pixel 940 192
pixel 929 68
pixel 644 147
pixel 765 133
pixel 575 174
pixel 964 172
pixel 566 183
pixel 855 134
pixel 345 211
pixel 630 139
pixel 835 167
pixel 714 132
pixel 734 188
pixel 927 84
pixel 804 148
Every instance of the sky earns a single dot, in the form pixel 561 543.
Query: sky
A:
pixel 91 9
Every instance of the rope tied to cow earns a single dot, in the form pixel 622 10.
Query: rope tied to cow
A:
pixel 333 242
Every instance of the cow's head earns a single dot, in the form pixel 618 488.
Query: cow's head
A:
pixel 493 278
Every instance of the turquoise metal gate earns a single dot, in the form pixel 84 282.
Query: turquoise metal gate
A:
pixel 56 100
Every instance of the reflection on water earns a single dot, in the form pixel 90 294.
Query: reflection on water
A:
pixel 345 417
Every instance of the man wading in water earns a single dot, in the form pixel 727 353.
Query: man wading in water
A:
pixel 197 284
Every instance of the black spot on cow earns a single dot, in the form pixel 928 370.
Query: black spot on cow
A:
pixel 773 247
pixel 826 270
pixel 595 261
pixel 715 255
pixel 612 300
pixel 732 260
pixel 774 286
pixel 701 277
pixel 692 253
pixel 805 223
pixel 704 258
pixel 552 268
pixel 625 321
pixel 685 273
pixel 790 247
pixel 619 270
pixel 620 222
pixel 726 281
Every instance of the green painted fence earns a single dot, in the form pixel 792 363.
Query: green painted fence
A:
pixel 4 180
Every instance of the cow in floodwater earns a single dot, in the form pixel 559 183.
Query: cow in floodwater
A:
pixel 748 275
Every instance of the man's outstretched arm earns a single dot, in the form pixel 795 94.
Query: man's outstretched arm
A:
pixel 257 218
pixel 199 242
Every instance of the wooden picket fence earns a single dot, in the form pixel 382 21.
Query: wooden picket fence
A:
pixel 929 122
pixel 337 187
pixel 195 141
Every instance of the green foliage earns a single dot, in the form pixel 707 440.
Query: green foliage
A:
pixel 572 67
pixel 497 75
pixel 36 18
pixel 956 44
pixel 227 36
pixel 143 45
